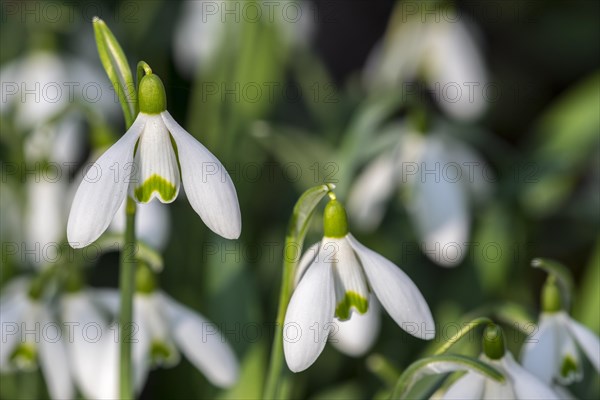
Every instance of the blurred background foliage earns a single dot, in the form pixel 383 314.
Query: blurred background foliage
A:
pixel 321 122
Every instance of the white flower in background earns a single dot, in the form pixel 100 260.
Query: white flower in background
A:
pixel 166 327
pixel 146 158
pixel 336 283
pixel 93 348
pixel 440 50
pixel 206 26
pixel 152 223
pixel 440 176
pixel 31 336
pixel 551 352
pixel 42 85
pixel 45 216
pixel 520 384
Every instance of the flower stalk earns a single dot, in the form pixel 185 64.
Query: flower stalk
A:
pixel 127 288
pixel 294 239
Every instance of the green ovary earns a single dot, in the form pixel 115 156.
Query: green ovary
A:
pixel 155 183
pixel 351 299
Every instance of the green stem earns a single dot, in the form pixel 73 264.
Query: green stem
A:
pixel 277 387
pixel 287 282
pixel 127 287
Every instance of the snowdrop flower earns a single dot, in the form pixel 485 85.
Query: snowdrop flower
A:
pixel 337 283
pixel 42 85
pixel 442 51
pixel 44 224
pixel 551 353
pixel 519 384
pixel 93 351
pixel 31 337
pixel 146 158
pixel 440 175
pixel 166 327
pixel 204 27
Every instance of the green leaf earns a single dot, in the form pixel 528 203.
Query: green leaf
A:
pixel 116 67
pixel 566 139
pixel 369 118
pixel 299 151
pixel 441 364
pixel 586 306
pixel 561 272
pixel 464 331
pixel 496 233
pixel 304 209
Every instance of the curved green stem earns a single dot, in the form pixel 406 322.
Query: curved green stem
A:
pixel 127 287
pixel 303 210
pixel 287 282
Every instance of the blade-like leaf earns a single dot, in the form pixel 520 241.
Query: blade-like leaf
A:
pixel 464 331
pixel 441 364
pixel 116 67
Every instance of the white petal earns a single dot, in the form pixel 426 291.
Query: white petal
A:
pixel 152 223
pixel 568 356
pixel 587 340
pixel 93 359
pixel 103 189
pixel 351 291
pixel 468 387
pixel 439 208
pixel 45 76
pixel 525 384
pixel 371 191
pixel 107 299
pixel 202 344
pixel 45 220
pixel 206 182
pixel 54 361
pixel 456 69
pixel 306 261
pixel 498 391
pixel 355 336
pixel 396 292
pixel 309 316
pixel 157 173
pixel 12 308
pixel 150 324
pixel 198 37
pixel 539 354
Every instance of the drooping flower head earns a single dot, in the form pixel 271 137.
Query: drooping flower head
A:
pixel 552 353
pixel 151 161
pixel 518 384
pixel 338 282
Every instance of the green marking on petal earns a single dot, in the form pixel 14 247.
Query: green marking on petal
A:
pixel 24 357
pixel 161 354
pixel 155 183
pixel 351 299
pixel 569 366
